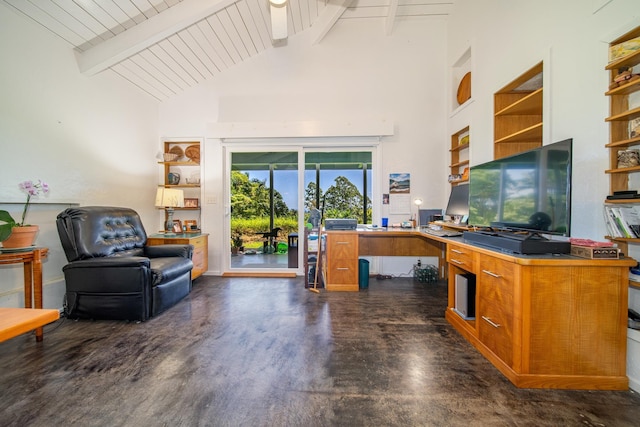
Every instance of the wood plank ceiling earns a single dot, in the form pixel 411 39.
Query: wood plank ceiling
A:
pixel 166 46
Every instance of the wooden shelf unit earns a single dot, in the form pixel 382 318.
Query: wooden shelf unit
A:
pixel 459 155
pixel 190 190
pixel 518 114
pixel 620 113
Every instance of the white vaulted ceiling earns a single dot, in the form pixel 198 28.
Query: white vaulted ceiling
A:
pixel 166 46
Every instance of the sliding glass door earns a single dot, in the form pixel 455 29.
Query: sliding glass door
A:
pixel 268 208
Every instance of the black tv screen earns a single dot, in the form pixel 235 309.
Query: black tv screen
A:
pixel 530 191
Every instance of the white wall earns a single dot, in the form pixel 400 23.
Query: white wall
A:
pixel 355 73
pixel 92 139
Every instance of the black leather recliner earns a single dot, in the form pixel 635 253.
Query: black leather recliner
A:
pixel 112 274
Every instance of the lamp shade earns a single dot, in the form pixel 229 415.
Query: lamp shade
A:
pixel 169 198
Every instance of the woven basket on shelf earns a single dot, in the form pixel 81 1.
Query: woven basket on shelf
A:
pixel 169 157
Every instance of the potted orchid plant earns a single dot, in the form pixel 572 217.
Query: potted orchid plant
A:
pixel 8 225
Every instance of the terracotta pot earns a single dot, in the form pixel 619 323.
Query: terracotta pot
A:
pixel 22 237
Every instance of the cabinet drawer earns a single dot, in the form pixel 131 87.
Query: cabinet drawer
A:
pixel 198 242
pixel 342 272
pixel 342 246
pixel 496 330
pixel 497 284
pixel 198 258
pixel 460 257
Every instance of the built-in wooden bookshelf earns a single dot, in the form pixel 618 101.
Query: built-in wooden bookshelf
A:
pixel 518 114
pixel 459 156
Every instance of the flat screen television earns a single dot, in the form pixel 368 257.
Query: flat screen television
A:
pixel 458 206
pixel 529 191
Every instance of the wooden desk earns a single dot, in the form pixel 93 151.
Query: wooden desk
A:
pixel 16 321
pixel 344 247
pixel 544 321
pixel 400 242
pixel 32 261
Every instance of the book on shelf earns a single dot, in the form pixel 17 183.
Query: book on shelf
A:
pixel 622 221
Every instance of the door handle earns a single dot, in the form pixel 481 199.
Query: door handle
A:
pixel 489 321
pixel 491 274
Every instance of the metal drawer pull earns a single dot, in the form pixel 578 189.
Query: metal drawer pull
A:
pixel 491 273
pixel 486 319
pixel 456 251
pixel 342 268
pixel 457 262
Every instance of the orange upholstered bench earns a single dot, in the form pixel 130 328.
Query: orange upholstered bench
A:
pixel 16 321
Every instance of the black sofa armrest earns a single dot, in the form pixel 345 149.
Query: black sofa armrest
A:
pixel 160 251
pixel 110 262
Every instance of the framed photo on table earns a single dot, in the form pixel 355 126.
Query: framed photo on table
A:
pixel 190 203
pixel 191 224
pixel 177 226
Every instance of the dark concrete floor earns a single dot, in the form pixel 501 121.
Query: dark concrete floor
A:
pixel 267 352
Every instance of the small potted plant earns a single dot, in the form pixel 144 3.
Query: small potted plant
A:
pixel 15 234
pixel 236 242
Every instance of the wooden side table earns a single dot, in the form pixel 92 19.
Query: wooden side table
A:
pixel 32 261
pixel 16 321
pixel 200 244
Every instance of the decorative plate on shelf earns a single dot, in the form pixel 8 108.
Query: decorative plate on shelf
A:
pixel 193 153
pixel 464 89
pixel 177 150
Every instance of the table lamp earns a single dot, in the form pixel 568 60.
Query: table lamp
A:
pixel 416 219
pixel 169 199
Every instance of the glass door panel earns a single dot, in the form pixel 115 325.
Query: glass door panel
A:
pixel 264 209
pixel 339 184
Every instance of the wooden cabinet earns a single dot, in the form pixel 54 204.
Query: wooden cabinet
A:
pixel 341 261
pixel 200 244
pixel 459 156
pixel 184 172
pixel 546 321
pixel 518 114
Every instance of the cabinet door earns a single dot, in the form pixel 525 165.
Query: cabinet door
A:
pixel 495 284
